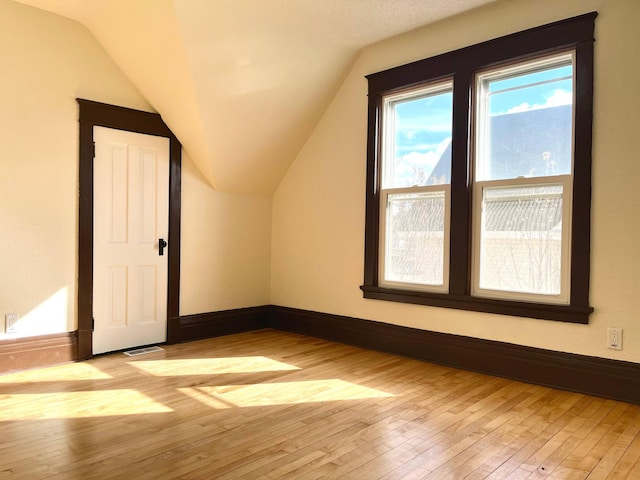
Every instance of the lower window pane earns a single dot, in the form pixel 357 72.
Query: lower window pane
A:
pixel 521 239
pixel 415 238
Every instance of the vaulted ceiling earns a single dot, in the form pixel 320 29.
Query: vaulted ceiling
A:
pixel 242 83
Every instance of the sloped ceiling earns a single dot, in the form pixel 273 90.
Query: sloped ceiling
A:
pixel 242 83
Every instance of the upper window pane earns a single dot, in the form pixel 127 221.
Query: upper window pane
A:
pixel 525 120
pixel 417 137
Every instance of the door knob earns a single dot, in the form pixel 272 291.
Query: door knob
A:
pixel 161 246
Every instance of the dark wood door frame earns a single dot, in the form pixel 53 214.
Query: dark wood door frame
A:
pixel 100 114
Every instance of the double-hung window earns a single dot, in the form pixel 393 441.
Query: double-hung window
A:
pixel 479 176
pixel 522 162
pixel 414 195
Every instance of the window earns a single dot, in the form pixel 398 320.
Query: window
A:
pixel 523 171
pixel 414 195
pixel 479 176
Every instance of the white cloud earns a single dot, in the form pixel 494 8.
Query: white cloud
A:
pixel 558 97
pixel 425 161
pixel 523 107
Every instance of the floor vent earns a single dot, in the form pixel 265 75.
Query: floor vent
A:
pixel 142 351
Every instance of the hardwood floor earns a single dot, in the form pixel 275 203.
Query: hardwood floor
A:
pixel 269 404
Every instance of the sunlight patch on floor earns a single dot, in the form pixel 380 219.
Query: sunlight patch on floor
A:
pixel 100 403
pixel 60 373
pixel 210 366
pixel 283 393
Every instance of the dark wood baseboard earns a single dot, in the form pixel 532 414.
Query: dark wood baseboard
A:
pixel 40 351
pixel 613 379
pixel 215 324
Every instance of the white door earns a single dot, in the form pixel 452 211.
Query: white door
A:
pixel 131 221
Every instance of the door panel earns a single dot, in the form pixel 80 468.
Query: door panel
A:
pixel 131 183
pixel 116 314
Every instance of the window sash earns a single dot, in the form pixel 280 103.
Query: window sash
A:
pixel 385 241
pixel 478 217
pixel 482 118
pixel 514 288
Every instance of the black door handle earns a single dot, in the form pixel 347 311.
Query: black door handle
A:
pixel 161 246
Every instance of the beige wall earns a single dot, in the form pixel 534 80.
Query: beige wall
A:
pixel 318 209
pixel 225 246
pixel 48 61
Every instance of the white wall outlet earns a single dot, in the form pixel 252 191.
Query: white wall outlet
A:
pixel 11 322
pixel 614 338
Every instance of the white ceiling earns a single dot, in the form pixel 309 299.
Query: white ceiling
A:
pixel 242 83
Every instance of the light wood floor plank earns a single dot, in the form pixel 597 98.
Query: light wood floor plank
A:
pixel 274 405
pixel 629 460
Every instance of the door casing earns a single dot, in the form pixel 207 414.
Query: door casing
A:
pixel 103 115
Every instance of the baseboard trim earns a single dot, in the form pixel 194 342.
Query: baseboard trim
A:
pixel 601 377
pixel 41 351
pixel 215 324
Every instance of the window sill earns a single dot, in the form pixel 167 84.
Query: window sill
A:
pixel 561 313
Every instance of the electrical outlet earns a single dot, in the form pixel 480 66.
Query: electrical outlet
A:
pixel 614 338
pixel 11 322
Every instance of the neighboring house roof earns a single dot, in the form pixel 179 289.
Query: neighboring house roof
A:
pixel 515 152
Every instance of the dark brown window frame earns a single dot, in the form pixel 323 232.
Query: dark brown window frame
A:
pixel 575 33
pixel 93 114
